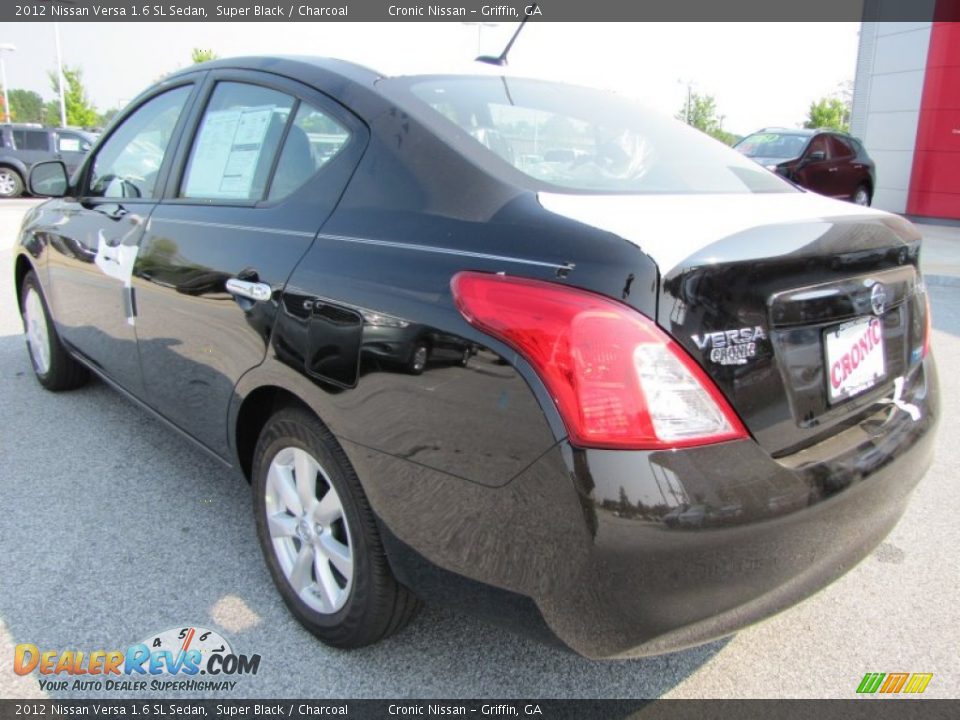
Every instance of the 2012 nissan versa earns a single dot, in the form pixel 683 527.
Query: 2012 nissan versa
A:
pixel 510 345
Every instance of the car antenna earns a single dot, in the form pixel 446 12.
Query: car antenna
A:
pixel 501 59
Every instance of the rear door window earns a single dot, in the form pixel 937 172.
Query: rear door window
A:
pixel 313 140
pixel 236 143
pixel 840 149
pixel 31 139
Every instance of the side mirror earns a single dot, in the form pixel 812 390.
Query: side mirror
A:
pixel 816 156
pixel 49 179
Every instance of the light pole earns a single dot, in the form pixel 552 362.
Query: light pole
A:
pixel 480 27
pixel 5 47
pixel 63 102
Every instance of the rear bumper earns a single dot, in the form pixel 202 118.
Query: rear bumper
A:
pixel 640 553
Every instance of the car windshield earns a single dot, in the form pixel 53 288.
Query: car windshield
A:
pixel 773 145
pixel 562 137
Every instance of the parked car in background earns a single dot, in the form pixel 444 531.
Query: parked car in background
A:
pixel 667 376
pixel 22 146
pixel 825 161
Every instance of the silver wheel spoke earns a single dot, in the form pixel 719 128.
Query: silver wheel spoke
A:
pixel 282 525
pixel 301 575
pixel 329 508
pixel 326 582
pixel 281 480
pixel 338 554
pixel 305 472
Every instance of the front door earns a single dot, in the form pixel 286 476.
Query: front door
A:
pixel 815 171
pixel 266 163
pixel 93 251
pixel 72 148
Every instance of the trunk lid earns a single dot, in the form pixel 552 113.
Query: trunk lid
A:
pixel 752 286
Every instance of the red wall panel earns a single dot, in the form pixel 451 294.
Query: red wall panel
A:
pixel 939 130
pixel 935 179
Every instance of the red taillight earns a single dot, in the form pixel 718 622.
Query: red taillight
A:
pixel 617 379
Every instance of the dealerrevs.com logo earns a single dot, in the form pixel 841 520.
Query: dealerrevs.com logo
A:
pixel 188 659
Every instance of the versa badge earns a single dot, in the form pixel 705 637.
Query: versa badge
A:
pixel 731 347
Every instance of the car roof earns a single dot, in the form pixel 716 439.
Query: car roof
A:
pixel 289 65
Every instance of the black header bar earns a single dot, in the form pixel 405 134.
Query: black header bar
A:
pixel 471 11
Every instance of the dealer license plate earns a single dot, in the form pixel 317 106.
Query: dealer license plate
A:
pixel 855 357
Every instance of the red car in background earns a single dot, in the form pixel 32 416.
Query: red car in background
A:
pixel 826 161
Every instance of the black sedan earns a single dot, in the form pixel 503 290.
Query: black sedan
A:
pixel 682 394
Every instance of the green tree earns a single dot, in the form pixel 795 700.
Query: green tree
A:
pixel 829 112
pixel 106 116
pixel 51 112
pixel 199 55
pixel 80 111
pixel 700 111
pixel 26 106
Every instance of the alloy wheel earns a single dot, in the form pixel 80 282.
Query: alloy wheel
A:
pixel 420 357
pixel 38 336
pixel 8 183
pixel 309 531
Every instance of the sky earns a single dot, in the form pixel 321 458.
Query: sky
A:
pixel 761 74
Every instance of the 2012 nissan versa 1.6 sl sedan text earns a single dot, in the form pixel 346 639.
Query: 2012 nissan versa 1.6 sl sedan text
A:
pixel 506 344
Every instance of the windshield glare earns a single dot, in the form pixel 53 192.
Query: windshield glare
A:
pixel 565 137
pixel 773 145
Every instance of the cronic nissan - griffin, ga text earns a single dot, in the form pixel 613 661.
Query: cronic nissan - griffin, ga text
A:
pixel 505 344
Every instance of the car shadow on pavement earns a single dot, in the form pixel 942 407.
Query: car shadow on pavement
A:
pixel 117 529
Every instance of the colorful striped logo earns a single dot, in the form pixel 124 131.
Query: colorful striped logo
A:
pixel 892 683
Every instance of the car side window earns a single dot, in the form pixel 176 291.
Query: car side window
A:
pixel 31 139
pixel 819 144
pixel 71 142
pixel 840 149
pixel 313 140
pixel 237 142
pixel 127 164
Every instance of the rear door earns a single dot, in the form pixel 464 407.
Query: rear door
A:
pixel 263 165
pixel 32 146
pixel 92 250
pixel 846 175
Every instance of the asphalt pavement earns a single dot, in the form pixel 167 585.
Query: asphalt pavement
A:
pixel 113 528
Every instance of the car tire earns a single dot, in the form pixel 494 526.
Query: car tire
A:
pixel 465 357
pixel 11 184
pixel 325 555
pixel 418 359
pixel 861 196
pixel 55 369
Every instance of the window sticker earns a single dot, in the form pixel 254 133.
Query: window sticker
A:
pixel 228 152
pixel 69 144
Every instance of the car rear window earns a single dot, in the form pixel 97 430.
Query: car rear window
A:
pixel 561 137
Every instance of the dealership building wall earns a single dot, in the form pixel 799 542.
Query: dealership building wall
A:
pixel 906 109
